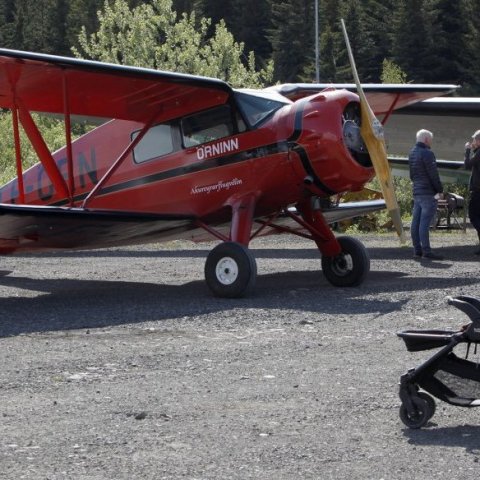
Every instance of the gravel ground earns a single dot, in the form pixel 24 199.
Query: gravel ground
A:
pixel 119 364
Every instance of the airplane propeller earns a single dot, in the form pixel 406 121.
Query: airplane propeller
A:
pixel 373 135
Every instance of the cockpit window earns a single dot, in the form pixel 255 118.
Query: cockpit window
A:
pixel 158 141
pixel 257 109
pixel 207 126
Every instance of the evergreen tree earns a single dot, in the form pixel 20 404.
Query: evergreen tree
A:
pixel 450 50
pixel 184 6
pixel 7 24
pixel 328 55
pixel 59 42
pixel 37 26
pixel 360 42
pixel 377 20
pixel 411 40
pixel 330 39
pixel 216 11
pixel 471 86
pixel 252 21
pixel 292 38
pixel 431 40
pixel 81 13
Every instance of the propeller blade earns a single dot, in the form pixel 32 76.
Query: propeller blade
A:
pixel 373 136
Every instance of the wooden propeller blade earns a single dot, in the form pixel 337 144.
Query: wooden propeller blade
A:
pixel 372 134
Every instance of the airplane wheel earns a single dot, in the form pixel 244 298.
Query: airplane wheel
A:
pixel 230 270
pixel 350 268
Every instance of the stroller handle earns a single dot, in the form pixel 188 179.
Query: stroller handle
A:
pixel 468 305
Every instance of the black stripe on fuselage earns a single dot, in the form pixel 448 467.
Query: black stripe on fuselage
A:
pixel 239 157
pixel 301 152
pixel 258 152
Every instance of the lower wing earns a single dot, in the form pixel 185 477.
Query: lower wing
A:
pixel 36 228
pixel 40 228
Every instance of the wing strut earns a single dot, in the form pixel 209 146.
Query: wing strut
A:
pixel 20 112
pixel 18 156
pixel 43 152
pixel 120 160
pixel 391 109
pixel 68 138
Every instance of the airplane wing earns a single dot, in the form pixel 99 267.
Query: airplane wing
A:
pixel 450 171
pixel 347 210
pixel 383 98
pixel 33 82
pixel 26 228
pixel 452 121
pixel 51 84
pixel 35 228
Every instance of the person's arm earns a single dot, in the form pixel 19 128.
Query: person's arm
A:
pixel 472 158
pixel 466 159
pixel 432 171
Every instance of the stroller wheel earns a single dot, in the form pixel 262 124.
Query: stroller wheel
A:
pixel 420 414
pixel 430 402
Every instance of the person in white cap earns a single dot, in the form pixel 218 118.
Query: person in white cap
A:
pixel 472 162
pixel 426 184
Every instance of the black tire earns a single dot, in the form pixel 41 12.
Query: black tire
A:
pixel 430 403
pixel 230 270
pixel 350 268
pixel 419 417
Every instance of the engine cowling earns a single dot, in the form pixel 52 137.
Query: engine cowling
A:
pixel 326 138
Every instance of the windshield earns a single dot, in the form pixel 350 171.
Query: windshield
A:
pixel 256 109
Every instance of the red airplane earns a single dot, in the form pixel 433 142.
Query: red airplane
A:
pixel 189 157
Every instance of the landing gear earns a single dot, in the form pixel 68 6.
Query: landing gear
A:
pixel 230 270
pixel 350 267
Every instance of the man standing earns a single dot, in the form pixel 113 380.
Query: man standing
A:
pixel 472 162
pixel 426 184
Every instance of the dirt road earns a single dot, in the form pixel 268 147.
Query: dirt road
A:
pixel 119 364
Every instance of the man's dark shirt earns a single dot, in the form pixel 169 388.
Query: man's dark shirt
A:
pixel 423 171
pixel 472 162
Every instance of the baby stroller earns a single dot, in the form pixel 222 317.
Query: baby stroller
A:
pixel 446 376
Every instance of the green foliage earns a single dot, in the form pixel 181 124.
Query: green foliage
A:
pixel 151 35
pixel 53 133
pixel 403 190
pixel 432 41
pixel 392 73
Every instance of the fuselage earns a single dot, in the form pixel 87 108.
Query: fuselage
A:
pixel 258 143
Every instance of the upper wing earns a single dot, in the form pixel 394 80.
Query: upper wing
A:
pixel 47 83
pixel 452 121
pixel 382 97
pixel 450 171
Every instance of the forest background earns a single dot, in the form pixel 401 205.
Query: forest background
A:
pixel 432 41
pixel 251 42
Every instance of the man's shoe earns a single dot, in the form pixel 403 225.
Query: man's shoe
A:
pixel 432 256
pixel 417 254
